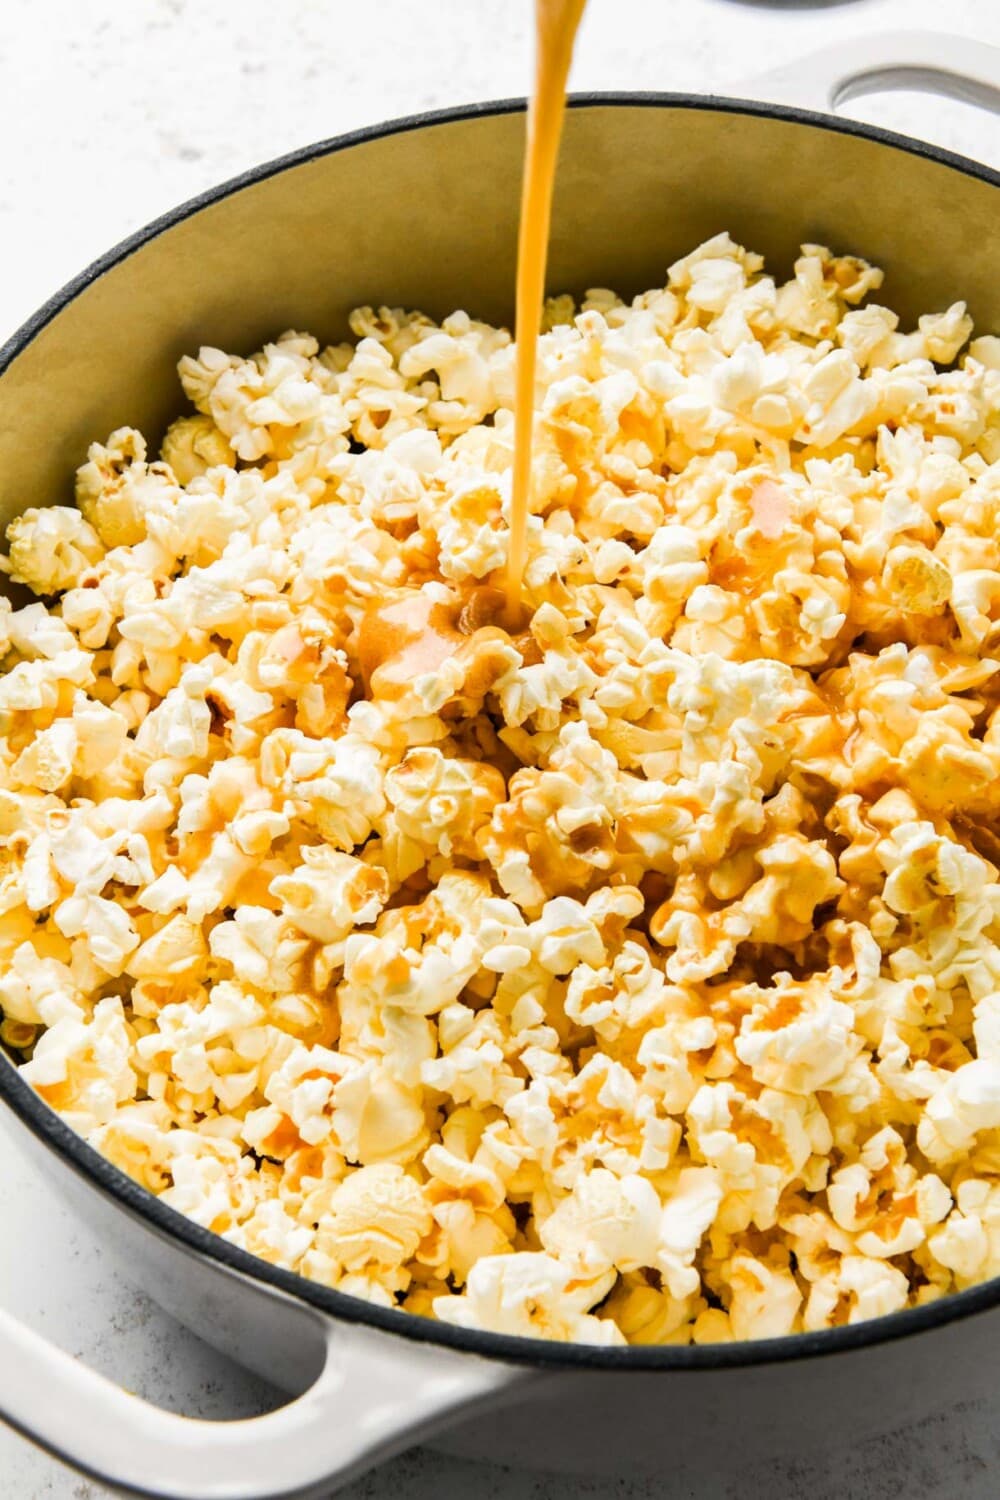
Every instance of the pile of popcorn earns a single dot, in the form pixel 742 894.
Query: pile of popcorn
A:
pixel 628 973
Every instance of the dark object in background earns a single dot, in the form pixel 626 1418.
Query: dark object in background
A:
pixel 795 4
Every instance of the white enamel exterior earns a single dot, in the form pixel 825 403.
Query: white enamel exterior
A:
pixel 925 61
pixel 358 1394
pixel 371 1395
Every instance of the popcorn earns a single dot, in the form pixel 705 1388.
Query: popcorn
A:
pixel 109 929
pixel 192 445
pixel 689 1211
pixel 626 973
pixel 51 549
pixel 116 489
pixel 532 1295
pixel 439 804
pixel 859 1289
pixel 376 1119
pixel 765 1299
pixel 330 893
pixel 261 948
pixel 377 1216
pixel 605 1222
pixel 966 1243
pixel 966 1103
pixel 82 1067
pixel 798 1038
pixel 423 962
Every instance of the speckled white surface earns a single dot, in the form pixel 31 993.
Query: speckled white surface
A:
pixel 112 111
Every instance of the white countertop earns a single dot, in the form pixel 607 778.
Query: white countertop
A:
pixel 114 110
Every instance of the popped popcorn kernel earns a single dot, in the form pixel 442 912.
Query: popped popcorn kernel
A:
pixel 192 445
pixel 50 549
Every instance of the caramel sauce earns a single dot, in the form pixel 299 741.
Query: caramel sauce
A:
pixel 283 1141
pixel 556 24
pixel 401 641
pixel 483 606
pixel 412 636
pixel 787 1010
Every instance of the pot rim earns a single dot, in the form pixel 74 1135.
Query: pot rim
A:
pixel 115 1185
pixel 403 124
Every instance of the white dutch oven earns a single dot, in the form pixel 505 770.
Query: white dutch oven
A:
pixel 422 212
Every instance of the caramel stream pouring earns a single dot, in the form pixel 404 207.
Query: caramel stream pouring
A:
pixel 415 635
pixel 556 25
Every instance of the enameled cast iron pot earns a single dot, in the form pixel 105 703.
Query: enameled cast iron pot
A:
pixel 423 213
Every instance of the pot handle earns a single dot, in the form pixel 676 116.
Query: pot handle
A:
pixel 927 61
pixel 374 1394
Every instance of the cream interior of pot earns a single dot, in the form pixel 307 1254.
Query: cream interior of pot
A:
pixel 426 217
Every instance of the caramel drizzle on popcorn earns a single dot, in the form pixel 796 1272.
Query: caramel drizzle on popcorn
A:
pixel 630 977
pixel 556 25
pixel 404 640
